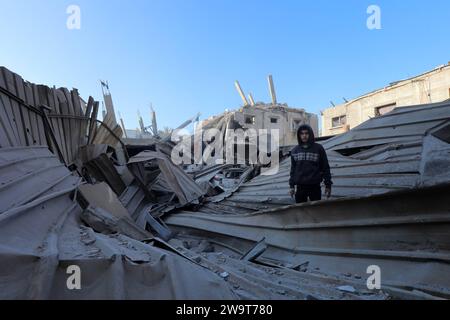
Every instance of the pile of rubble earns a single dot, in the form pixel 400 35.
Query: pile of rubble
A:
pixel 70 195
pixel 73 192
pixel 389 208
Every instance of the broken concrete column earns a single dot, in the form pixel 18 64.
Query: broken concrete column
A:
pixel 241 93
pixel 272 90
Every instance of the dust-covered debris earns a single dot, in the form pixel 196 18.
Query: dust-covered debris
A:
pixel 74 191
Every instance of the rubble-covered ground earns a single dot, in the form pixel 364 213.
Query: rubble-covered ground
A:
pixel 72 192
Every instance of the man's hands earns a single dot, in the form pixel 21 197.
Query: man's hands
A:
pixel 292 192
pixel 328 192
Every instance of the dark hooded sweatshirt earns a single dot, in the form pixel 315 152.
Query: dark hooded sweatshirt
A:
pixel 309 162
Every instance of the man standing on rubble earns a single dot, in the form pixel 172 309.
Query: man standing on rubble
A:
pixel 309 167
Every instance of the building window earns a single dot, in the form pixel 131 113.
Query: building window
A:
pixel 339 121
pixel 250 119
pixel 379 111
pixel 296 123
pixel 273 120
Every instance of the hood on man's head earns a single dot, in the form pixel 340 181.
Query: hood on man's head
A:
pixel 311 134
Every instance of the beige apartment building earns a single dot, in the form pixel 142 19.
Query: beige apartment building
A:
pixel 280 117
pixel 429 87
pixel 266 116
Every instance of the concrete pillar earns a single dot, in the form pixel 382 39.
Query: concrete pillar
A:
pixel 250 97
pixel 272 90
pixel 241 93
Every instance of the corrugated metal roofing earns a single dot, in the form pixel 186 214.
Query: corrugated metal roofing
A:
pixel 28 173
pixel 389 157
pixel 41 235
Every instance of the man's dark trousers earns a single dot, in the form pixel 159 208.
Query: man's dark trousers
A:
pixel 313 192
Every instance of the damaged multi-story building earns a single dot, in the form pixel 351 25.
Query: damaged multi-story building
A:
pixel 251 130
pixel 268 116
pixel 430 87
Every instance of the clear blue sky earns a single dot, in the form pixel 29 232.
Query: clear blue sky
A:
pixel 184 55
